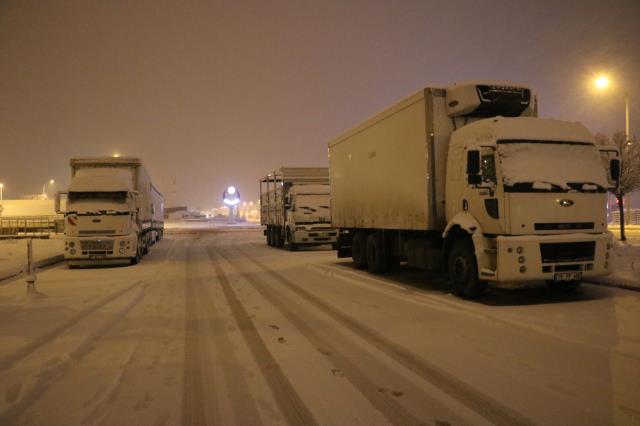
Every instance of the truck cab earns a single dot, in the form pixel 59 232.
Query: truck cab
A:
pixel 308 215
pixel 530 192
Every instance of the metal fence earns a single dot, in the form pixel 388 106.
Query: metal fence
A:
pixel 29 226
pixel 631 217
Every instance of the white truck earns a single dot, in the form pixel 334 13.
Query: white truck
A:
pixel 295 207
pixel 468 179
pixel 113 212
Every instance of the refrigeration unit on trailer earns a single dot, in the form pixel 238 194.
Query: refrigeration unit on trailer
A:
pixel 295 207
pixel 467 178
pixel 113 213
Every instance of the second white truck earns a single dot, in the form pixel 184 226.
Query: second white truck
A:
pixel 468 179
pixel 295 207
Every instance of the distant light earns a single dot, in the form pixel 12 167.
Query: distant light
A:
pixel 250 203
pixel 51 182
pixel 244 204
pixel 601 82
pixel 116 155
pixel 1 185
pixel 231 190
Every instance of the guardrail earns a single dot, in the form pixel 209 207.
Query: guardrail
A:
pixel 30 226
pixel 630 217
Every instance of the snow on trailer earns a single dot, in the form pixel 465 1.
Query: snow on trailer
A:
pixel 295 207
pixel 467 178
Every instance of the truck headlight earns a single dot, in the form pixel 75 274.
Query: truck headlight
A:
pixel 519 249
pixel 72 251
pixel 122 243
pixel 72 244
pixel 521 259
pixel 121 250
pixel 523 269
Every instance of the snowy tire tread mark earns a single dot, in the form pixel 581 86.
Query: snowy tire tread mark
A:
pixel 291 405
pixel 482 404
pixel 391 409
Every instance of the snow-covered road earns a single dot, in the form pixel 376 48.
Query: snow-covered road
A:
pixel 214 327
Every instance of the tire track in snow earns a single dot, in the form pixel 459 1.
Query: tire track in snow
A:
pixel 242 402
pixel 291 406
pixel 196 357
pixel 382 401
pixel 53 373
pixel 8 361
pixel 482 404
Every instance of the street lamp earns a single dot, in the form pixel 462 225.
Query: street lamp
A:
pixel 602 82
pixel 1 188
pixel 44 188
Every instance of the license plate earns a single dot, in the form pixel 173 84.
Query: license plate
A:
pixel 567 276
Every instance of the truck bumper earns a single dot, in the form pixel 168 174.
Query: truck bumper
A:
pixel 553 257
pixel 315 235
pixel 100 250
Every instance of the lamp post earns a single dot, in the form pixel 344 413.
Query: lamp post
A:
pixel 44 188
pixel 602 83
pixel 1 188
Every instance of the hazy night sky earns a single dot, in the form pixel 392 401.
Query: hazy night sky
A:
pixel 214 93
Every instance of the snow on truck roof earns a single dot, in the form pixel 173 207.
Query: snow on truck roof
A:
pixel 524 128
pixel 106 161
pixel 101 179
pixel 310 189
pixel 99 184
pixel 299 174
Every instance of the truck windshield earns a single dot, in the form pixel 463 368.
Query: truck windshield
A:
pixel 312 208
pixel 97 202
pixel 116 197
pixel 551 166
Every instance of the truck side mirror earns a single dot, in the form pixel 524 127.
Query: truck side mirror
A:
pixel 473 167
pixel 614 169
pixel 56 201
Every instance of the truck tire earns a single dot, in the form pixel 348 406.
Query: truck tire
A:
pixel 563 286
pixel 377 256
pixel 269 236
pixel 291 245
pixel 463 270
pixel 145 245
pixel 359 250
pixel 279 237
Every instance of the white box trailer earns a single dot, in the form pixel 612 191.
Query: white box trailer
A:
pixel 469 179
pixel 295 207
pixel 113 213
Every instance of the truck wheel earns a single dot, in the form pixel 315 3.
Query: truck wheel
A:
pixel 269 236
pixel 279 237
pixel 463 270
pixel 359 250
pixel 145 246
pixel 563 286
pixel 377 258
pixel 290 244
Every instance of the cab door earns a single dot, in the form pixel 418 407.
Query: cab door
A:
pixel 483 196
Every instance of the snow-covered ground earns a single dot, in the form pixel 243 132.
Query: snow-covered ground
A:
pixel 214 327
pixel 13 253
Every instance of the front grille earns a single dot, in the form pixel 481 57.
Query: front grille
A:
pixel 567 252
pixel 96 245
pixel 97 232
pixel 563 226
